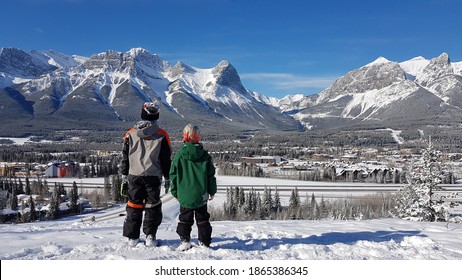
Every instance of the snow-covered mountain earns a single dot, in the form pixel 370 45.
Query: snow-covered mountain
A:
pixel 106 90
pixel 110 87
pixel 413 92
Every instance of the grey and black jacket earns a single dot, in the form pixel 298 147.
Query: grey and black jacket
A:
pixel 146 151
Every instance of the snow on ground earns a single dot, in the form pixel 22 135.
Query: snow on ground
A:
pixel 388 239
pixel 17 141
pixel 396 136
pixel 27 140
pixel 320 246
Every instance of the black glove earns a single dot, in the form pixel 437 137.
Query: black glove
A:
pixel 167 185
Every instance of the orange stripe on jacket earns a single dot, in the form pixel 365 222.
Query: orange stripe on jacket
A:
pixel 163 132
pixel 128 132
pixel 134 205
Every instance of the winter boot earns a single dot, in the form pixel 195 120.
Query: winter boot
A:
pixel 133 242
pixel 151 241
pixel 185 245
pixel 203 245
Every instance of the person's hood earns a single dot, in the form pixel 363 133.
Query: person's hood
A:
pixel 146 129
pixel 193 151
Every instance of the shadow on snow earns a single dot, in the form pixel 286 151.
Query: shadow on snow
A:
pixel 330 238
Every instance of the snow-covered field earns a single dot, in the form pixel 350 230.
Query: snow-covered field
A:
pixel 388 239
pixel 259 242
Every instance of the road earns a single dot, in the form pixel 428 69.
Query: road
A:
pixel 328 190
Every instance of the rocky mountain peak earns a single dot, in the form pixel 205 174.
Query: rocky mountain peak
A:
pixel 376 75
pixel 379 60
pixel 224 64
pixel 144 56
pixel 20 63
pixel 106 59
pixel 226 75
pixel 138 51
pixel 179 69
pixel 437 68
pixel 442 59
pixel 137 59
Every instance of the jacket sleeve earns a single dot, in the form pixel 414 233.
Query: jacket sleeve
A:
pixel 211 180
pixel 165 157
pixel 173 178
pixel 125 164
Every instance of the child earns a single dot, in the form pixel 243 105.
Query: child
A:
pixel 193 183
pixel 146 158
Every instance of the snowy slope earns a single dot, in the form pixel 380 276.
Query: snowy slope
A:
pixel 80 238
pixel 57 59
pixel 388 239
pixel 202 83
pixel 414 67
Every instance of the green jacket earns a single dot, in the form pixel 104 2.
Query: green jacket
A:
pixel 192 176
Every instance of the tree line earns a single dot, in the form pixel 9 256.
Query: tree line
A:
pixel 251 205
pixel 45 201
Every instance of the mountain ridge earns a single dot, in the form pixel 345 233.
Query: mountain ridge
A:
pixel 105 90
pixel 378 92
pixel 109 87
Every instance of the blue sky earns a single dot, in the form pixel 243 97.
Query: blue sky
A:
pixel 278 47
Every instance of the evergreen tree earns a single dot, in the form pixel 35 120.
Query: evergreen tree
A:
pixel 32 211
pixel 43 188
pixel 417 200
pixel 317 212
pixel 20 189
pixel 230 203
pixel 61 189
pixel 267 203
pixel 92 169
pixel 73 206
pixel 86 171
pixel 241 203
pixel 55 202
pixel 258 207
pixel 241 197
pixel 247 205
pixel 27 190
pixel 308 207
pixel 294 205
pixel 250 204
pixel 236 200
pixel 14 200
pixel 277 207
pixel 324 211
pixel 313 204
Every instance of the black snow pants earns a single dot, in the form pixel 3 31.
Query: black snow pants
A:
pixel 143 195
pixel 203 224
